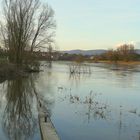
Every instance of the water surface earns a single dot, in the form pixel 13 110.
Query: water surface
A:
pixel 103 105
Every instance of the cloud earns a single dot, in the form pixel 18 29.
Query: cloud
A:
pixel 137 45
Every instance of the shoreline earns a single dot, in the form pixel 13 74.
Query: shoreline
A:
pixel 129 63
pixel 10 71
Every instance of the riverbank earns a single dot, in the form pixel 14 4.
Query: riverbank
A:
pixel 129 63
pixel 10 71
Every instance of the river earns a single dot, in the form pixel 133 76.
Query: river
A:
pixel 101 105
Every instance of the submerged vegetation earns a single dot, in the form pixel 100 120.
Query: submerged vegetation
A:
pixel 79 68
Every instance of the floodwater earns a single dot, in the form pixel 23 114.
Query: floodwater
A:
pixel 101 105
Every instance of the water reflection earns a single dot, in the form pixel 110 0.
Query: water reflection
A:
pixel 19 122
pixel 46 90
pixel 96 110
pixel 111 115
pixel 76 78
pixel 75 109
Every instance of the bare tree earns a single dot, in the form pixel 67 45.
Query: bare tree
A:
pixel 27 25
pixel 126 52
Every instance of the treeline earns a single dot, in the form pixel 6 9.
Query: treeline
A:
pixel 125 52
pixel 73 57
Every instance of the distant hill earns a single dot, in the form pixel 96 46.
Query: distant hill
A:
pixel 91 52
pixel 138 51
pixel 85 52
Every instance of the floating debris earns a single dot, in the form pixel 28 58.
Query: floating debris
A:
pixel 60 88
pixel 133 111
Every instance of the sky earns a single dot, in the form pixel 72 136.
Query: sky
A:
pixel 96 24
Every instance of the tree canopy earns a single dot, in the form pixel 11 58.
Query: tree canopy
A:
pixel 26 25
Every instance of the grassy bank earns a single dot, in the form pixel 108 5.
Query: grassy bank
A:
pixel 120 62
